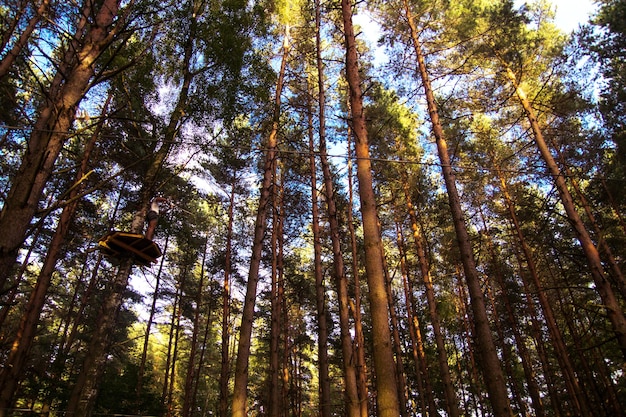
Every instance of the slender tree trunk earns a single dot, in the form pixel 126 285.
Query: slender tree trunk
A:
pixel 146 338
pixel 188 404
pixel 168 355
pixel 421 368
pixel 84 394
pixel 225 348
pixel 490 363
pixel 240 391
pixel 571 381
pixel 614 311
pixel 93 365
pixel 320 287
pixel 520 343
pixel 386 385
pixel 280 296
pixel 397 345
pixel 355 400
pixel 208 319
pixel 452 402
pixel 7 60
pixel 274 371
pixel 359 339
pixel 48 137
pixel 617 276
pixel 14 365
pixel 475 387
pixel 175 335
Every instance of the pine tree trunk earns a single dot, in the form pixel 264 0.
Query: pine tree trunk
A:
pixel 617 276
pixel 49 135
pixel 188 390
pixel 7 60
pixel 452 402
pixel 225 347
pixel 386 385
pixel 421 367
pixel 14 365
pixel 275 316
pixel 354 399
pixel 614 311
pixel 397 346
pixel 320 287
pixel 146 339
pixel 240 391
pixel 490 363
pixel 359 339
pixel 475 392
pixel 571 381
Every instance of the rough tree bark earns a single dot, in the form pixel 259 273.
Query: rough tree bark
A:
pixel 384 368
pixel 50 131
pixel 490 363
pixel 240 390
pixel 320 287
pixel 225 348
pixel 614 311
pixel 452 402
pixel 14 364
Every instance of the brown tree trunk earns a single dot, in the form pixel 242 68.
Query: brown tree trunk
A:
pixel 240 391
pixel 397 344
pixel 14 364
pixel 192 364
pixel 617 277
pixel 341 284
pixel 274 406
pixel 571 381
pixel 175 337
pixel 475 393
pixel 386 386
pixel 146 338
pixel 427 400
pixel 84 392
pixel 614 311
pixel 490 363
pixel 225 348
pixel 452 403
pixel 359 339
pixel 10 57
pixel 320 287
pixel 49 135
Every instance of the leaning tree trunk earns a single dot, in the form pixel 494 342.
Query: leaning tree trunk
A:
pixel 83 395
pixel 614 311
pixel 49 134
pixel 490 363
pixel 14 365
pixel 240 390
pixel 7 61
pixel 386 385
pixel 565 364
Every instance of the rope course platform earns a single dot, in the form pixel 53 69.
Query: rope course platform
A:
pixel 121 245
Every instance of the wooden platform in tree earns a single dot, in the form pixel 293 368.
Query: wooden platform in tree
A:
pixel 129 245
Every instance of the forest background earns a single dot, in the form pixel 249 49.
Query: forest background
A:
pixel 439 232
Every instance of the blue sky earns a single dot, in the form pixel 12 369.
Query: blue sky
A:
pixel 570 13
